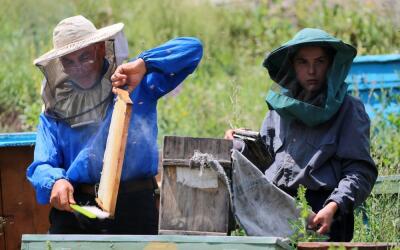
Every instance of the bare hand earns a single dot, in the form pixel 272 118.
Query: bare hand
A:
pixel 62 195
pixel 129 74
pixel 324 218
pixel 229 134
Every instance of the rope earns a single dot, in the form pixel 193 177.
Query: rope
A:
pixel 204 160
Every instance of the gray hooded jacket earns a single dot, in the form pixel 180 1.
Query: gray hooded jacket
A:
pixel 321 147
pixel 331 156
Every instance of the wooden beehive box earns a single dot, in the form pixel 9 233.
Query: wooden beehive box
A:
pixel 186 208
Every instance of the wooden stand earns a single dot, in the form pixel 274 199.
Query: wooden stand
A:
pixel 346 245
pixel 114 153
pixel 189 210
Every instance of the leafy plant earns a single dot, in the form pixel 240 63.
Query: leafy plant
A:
pixel 341 247
pixel 238 232
pixel 301 233
pixel 378 220
pixel 48 245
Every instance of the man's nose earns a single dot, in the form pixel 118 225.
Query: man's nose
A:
pixel 311 69
pixel 77 68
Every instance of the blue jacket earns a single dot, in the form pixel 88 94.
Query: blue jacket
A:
pixel 76 154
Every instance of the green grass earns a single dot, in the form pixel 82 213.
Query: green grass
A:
pixel 228 88
pixel 382 221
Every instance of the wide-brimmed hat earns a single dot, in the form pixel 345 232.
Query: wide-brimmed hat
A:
pixel 74 33
pixel 308 36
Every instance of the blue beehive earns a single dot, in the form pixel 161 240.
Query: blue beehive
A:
pixel 375 79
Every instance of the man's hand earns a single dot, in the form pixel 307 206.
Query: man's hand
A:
pixel 324 218
pixel 62 195
pixel 129 74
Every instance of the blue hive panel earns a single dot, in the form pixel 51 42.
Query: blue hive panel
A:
pixel 375 79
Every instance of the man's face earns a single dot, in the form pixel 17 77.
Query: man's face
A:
pixel 84 66
pixel 311 64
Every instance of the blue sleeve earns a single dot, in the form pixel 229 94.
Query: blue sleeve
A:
pixel 46 167
pixel 169 64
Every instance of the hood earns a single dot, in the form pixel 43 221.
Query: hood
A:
pixel 281 98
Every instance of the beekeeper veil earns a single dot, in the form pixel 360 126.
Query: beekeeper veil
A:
pixel 77 86
pixel 287 82
pixel 288 98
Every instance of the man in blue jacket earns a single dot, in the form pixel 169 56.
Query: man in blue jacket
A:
pixel 73 129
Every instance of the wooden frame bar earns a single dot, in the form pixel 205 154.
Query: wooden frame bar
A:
pixel 114 153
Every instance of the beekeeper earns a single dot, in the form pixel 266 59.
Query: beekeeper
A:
pixel 318 133
pixel 73 128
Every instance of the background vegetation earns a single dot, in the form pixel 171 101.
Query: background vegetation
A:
pixel 229 87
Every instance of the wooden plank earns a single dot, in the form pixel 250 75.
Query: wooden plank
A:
pixel 185 208
pixel 176 232
pixel 186 163
pixel 148 238
pixel 23 214
pixel 2 220
pixel 17 139
pixel 176 147
pixel 387 185
pixel 114 153
pixel 100 242
pixel 347 245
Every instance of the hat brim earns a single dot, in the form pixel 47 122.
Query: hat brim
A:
pixel 274 61
pixel 102 34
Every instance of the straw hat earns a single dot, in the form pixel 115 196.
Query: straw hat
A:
pixel 74 33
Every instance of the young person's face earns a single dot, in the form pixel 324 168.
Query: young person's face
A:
pixel 84 66
pixel 311 64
